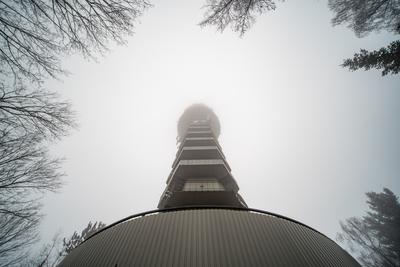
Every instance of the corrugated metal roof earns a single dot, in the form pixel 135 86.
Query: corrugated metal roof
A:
pixel 209 237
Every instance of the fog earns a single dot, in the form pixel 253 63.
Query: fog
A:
pixel 304 137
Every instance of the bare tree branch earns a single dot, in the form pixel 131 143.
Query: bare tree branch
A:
pixel 367 16
pixel 54 252
pixel 240 14
pixel 34 33
pixel 27 121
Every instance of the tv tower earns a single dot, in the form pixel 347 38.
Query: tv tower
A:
pixel 202 220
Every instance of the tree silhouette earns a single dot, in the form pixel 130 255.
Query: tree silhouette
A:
pixel 375 237
pixel 240 14
pixel 362 16
pixel 367 16
pixel 34 33
pixel 27 121
pixel 386 58
pixel 53 253
pixel 77 239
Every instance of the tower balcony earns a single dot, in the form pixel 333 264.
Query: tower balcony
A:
pixel 199 128
pixel 200 168
pixel 199 152
pixel 199 134
pixel 199 141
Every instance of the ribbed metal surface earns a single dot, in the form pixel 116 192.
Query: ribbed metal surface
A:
pixel 209 237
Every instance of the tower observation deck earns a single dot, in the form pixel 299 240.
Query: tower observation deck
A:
pixel 202 220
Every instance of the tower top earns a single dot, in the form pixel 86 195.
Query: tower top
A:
pixel 197 112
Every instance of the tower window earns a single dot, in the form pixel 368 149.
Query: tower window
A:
pixel 203 185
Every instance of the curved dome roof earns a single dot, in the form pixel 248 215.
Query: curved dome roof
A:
pixel 197 112
pixel 209 237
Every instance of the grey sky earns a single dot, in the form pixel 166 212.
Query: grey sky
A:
pixel 304 137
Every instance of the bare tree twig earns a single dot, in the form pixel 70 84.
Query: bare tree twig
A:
pixel 34 33
pixel 240 14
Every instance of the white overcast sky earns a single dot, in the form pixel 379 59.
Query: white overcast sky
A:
pixel 305 138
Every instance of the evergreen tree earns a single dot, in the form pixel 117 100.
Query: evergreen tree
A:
pixel 52 253
pixel 77 239
pixel 375 237
pixel 386 58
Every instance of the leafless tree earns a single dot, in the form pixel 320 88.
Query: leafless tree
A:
pixel 50 255
pixel 240 14
pixel 28 120
pixel 26 171
pixel 53 253
pixel 23 111
pixel 33 33
pixel 367 16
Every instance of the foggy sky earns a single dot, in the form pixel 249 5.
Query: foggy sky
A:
pixel 304 137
